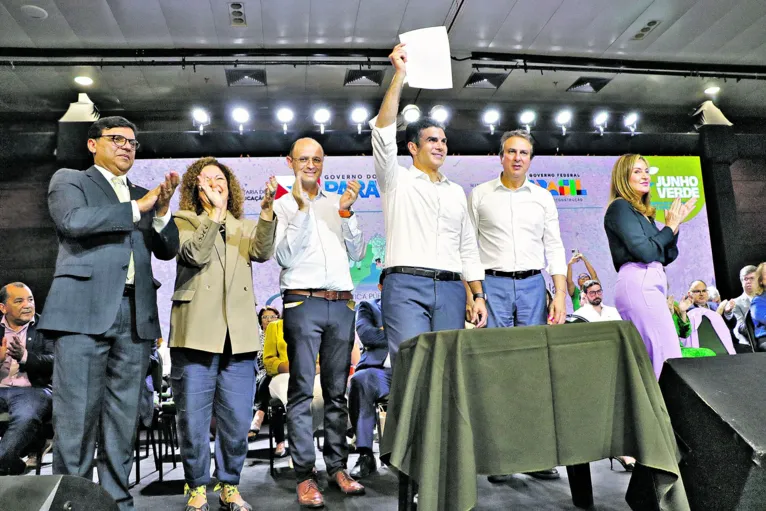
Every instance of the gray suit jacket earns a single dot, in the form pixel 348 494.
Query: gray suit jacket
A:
pixel 741 307
pixel 96 235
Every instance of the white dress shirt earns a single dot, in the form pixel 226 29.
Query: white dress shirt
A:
pixel 587 311
pixel 427 223
pixel 517 230
pixel 313 248
pixel 120 186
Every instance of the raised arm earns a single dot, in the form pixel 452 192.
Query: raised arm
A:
pixel 384 124
pixel 590 268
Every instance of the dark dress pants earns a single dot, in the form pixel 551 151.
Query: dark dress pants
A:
pixel 323 327
pixel 27 408
pixel 97 382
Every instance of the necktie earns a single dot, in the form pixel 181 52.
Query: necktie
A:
pixel 124 195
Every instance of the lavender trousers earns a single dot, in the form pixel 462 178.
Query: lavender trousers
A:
pixel 640 298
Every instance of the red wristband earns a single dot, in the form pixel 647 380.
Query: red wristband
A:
pixel 344 213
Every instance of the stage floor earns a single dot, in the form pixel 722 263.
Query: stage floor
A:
pixel 266 494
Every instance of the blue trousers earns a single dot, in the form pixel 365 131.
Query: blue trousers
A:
pixel 324 327
pixel 27 408
pixel 97 382
pixel 413 305
pixel 515 302
pixel 206 385
pixel 367 386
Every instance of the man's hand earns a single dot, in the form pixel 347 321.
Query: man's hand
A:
pixel 479 313
pixel 166 190
pixel 729 306
pixel 298 194
pixel 147 202
pixel 3 348
pixel 557 312
pixel 267 213
pixel 15 349
pixel 350 195
pixel 398 58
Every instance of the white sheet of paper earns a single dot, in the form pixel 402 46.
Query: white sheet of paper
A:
pixel 429 65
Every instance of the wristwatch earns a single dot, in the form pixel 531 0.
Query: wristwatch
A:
pixel 480 295
pixel 345 213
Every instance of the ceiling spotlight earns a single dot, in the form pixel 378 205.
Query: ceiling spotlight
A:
pixel 321 117
pixel 490 118
pixel 200 118
pixel 285 116
pixel 712 90
pixel 439 114
pixel 600 122
pixel 410 113
pixel 564 119
pixel 358 116
pixel 83 80
pixel 631 122
pixel 527 119
pixel 240 116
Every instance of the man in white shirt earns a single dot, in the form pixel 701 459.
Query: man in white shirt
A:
pixel 594 309
pixel 316 235
pixel 517 226
pixel 739 306
pixel 430 244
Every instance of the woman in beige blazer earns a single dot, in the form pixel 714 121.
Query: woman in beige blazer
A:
pixel 214 326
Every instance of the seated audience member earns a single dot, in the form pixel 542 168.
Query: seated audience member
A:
pixel 370 382
pixel 713 295
pixel 278 369
pixel 262 380
pixel 741 305
pixel 594 309
pixel 758 307
pixel 680 319
pixel 698 292
pixel 575 292
pixel 26 368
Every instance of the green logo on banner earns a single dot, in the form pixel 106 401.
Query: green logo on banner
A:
pixel 675 177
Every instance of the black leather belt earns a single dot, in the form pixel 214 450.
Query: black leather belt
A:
pixel 129 290
pixel 513 274
pixel 424 272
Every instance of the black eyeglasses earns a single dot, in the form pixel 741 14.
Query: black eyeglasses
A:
pixel 120 141
pixel 596 293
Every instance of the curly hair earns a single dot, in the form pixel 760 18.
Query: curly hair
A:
pixel 620 185
pixel 190 200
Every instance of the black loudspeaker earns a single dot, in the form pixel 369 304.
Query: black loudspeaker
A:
pixel 54 493
pixel 718 144
pixel 718 410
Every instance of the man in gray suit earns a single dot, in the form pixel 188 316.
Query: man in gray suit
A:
pixel 742 303
pixel 102 306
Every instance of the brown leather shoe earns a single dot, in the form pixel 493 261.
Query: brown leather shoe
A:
pixel 309 494
pixel 346 483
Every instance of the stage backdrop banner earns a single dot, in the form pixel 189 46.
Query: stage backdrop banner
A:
pixel 579 185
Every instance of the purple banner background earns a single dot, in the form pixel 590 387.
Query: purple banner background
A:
pixel 581 216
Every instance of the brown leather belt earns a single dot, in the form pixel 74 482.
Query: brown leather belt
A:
pixel 321 293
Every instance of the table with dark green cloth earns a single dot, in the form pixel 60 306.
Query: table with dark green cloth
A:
pixel 511 400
